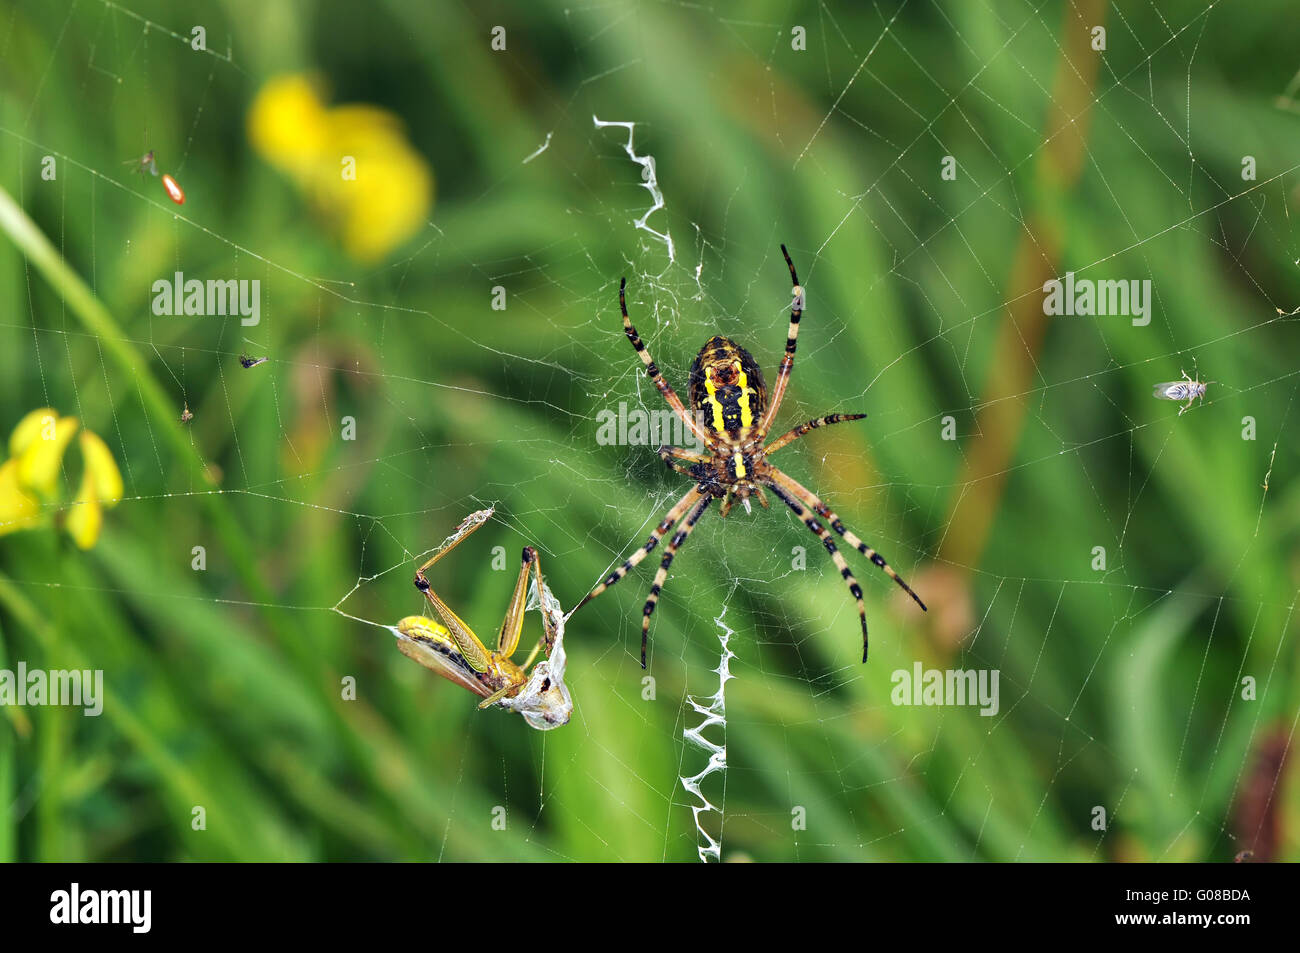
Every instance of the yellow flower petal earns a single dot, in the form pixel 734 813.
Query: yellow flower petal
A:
pixel 286 123
pixel 38 466
pixel 101 468
pixel 18 508
pixel 86 516
pixel 389 202
pixel 29 429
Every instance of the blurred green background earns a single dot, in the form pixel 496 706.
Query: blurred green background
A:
pixel 1121 687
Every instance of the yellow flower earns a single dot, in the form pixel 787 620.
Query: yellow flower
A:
pixel 354 163
pixel 101 469
pixel 101 485
pixel 287 124
pixel 18 508
pixel 31 476
pixel 38 443
pixel 29 428
pixel 86 518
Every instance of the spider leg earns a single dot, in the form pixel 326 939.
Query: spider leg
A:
pixel 652 369
pixel 802 429
pixel 787 360
pixel 679 453
pixel 673 515
pixel 671 454
pixel 836 556
pixel 762 497
pixel 793 486
pixel 685 471
pixel 662 574
pixel 727 502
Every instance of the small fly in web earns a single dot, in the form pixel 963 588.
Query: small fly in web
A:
pixel 1188 389
pixel 148 164
pixel 248 362
pixel 731 416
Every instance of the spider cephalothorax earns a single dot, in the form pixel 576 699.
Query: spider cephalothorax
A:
pixel 730 415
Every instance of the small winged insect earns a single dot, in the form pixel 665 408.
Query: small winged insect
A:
pixel 145 164
pixel 186 416
pixel 1187 389
pixel 148 163
pixel 248 362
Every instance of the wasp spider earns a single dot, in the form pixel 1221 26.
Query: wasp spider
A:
pixel 731 418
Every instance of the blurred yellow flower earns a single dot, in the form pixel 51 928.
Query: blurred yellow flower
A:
pixel 30 477
pixel 85 519
pixel 101 485
pixel 29 428
pixel 37 443
pixel 353 162
pixel 18 508
pixel 101 469
pixel 286 124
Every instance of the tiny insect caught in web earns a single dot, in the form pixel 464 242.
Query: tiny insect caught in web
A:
pixel 146 164
pixel 448 646
pixel 1188 389
pixel 186 415
pixel 248 362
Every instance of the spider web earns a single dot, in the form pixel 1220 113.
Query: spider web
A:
pixel 764 737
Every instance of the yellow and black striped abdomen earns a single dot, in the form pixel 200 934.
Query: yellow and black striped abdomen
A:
pixel 727 388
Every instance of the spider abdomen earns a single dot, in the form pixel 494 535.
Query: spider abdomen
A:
pixel 727 390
